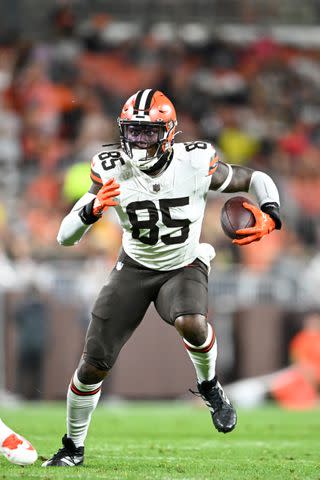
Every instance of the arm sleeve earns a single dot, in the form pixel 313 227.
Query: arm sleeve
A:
pixel 72 227
pixel 264 189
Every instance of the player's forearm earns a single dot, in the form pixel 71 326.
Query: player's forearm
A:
pixel 71 230
pixel 77 222
pixel 265 190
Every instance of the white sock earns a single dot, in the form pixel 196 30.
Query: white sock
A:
pixel 4 431
pixel 81 402
pixel 204 357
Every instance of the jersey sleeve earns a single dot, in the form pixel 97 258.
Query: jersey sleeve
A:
pixel 106 164
pixel 213 162
pixel 205 159
pixel 94 172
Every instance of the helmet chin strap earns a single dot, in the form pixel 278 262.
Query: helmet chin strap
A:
pixel 152 165
pixel 141 160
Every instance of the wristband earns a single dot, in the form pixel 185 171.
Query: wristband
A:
pixel 86 214
pixel 273 210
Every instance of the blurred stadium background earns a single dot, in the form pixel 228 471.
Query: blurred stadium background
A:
pixel 244 74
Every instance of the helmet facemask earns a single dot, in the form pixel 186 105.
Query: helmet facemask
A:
pixel 144 142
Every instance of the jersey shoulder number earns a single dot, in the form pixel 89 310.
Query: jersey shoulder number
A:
pixel 203 156
pixel 106 163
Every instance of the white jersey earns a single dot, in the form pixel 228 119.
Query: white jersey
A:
pixel 161 216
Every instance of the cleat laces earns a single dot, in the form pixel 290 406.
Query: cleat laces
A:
pixel 212 398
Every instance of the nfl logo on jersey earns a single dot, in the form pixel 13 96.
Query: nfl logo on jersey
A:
pixel 156 187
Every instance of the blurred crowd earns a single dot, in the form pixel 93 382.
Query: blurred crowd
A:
pixel 60 97
pixel 256 100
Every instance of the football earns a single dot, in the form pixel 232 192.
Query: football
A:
pixel 234 216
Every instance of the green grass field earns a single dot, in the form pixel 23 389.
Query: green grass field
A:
pixel 173 441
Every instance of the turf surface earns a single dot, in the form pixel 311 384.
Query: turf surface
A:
pixel 173 441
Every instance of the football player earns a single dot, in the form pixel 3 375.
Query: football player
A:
pixel 15 447
pixel 158 189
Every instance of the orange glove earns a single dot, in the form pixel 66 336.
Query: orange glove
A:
pixel 264 225
pixel 105 197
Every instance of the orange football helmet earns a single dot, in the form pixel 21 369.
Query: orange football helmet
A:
pixel 147 126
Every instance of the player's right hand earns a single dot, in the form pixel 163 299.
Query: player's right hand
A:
pixel 106 197
pixel 264 225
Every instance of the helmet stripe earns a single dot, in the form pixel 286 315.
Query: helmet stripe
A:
pixel 143 99
pixel 137 101
pixel 149 99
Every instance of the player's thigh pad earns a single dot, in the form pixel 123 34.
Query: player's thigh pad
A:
pixel 185 293
pixel 118 310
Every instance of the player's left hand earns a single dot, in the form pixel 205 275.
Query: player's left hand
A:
pixel 264 225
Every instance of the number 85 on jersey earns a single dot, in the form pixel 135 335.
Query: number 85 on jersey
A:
pixel 148 222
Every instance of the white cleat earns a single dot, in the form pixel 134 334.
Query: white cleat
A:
pixel 18 450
